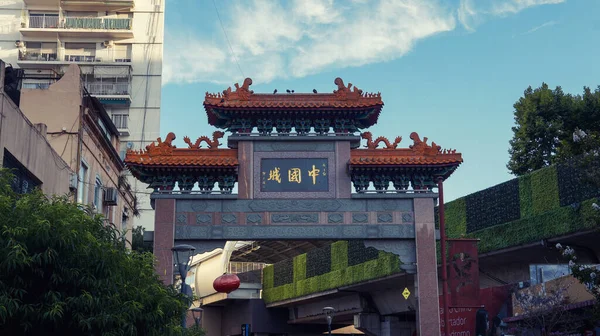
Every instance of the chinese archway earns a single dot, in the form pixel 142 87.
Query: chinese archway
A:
pixel 293 159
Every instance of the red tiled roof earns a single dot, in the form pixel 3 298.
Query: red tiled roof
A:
pixel 343 97
pixel 186 157
pixel 419 153
pixel 163 153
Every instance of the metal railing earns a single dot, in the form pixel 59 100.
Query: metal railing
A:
pixel 32 55
pixel 80 58
pixel 97 23
pixel 80 23
pixel 108 89
pixel 43 21
pixel 36 86
pixel 236 267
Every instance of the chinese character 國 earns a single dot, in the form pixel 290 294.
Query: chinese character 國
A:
pixel 295 175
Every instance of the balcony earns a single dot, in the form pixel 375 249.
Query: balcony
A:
pixel 43 21
pixel 49 25
pixel 43 59
pixel 84 4
pixel 110 93
pixel 37 56
pixel 94 4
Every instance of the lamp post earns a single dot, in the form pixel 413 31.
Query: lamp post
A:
pixel 181 256
pixel 197 314
pixel 329 311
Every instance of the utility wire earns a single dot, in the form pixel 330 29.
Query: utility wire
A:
pixel 227 38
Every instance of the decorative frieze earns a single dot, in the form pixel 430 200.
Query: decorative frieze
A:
pixel 294 232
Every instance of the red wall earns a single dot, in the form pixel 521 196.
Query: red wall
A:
pixel 462 320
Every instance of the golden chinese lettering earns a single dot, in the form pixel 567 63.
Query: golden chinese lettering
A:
pixel 314 173
pixel 294 175
pixel 274 175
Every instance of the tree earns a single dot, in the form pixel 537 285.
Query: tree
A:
pixel 545 121
pixel 63 272
pixel 542 309
pixel 137 241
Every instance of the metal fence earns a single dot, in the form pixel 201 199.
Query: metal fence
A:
pixel 52 21
pixel 43 21
pixel 108 88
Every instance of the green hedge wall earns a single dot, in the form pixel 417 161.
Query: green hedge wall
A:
pixel 341 273
pixel 549 202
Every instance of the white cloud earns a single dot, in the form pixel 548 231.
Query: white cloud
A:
pixel 543 25
pixel 270 40
pixel 515 6
pixel 472 12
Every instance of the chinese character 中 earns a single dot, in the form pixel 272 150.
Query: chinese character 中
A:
pixel 314 173
pixel 294 175
pixel 274 175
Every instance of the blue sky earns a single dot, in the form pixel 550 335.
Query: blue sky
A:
pixel 449 69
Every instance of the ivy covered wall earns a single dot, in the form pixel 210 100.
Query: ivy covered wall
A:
pixel 339 264
pixel 546 203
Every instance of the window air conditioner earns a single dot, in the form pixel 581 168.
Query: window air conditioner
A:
pixel 110 196
pixel 73 182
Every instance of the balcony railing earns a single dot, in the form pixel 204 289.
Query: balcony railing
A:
pixel 44 21
pixel 97 23
pixel 108 89
pixel 37 56
pixel 80 58
pixel 80 23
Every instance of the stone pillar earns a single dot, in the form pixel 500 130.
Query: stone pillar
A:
pixel 428 311
pixel 246 170
pixel 164 234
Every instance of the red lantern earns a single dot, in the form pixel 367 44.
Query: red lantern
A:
pixel 226 283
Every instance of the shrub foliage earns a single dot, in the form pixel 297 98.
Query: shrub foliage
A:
pixel 63 272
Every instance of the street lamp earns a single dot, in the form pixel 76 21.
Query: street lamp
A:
pixel 197 314
pixel 329 311
pixel 181 256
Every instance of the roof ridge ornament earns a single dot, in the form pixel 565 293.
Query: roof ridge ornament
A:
pixel 344 93
pixel 421 147
pixel 212 144
pixel 372 144
pixel 161 147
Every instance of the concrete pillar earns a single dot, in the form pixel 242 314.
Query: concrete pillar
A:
pixel 246 170
pixel 164 234
pixel 370 324
pixel 428 312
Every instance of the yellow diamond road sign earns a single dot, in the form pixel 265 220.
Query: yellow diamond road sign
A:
pixel 406 293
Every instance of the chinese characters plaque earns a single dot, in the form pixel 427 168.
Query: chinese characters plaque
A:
pixel 304 175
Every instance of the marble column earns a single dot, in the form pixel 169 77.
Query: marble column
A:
pixel 428 312
pixel 164 234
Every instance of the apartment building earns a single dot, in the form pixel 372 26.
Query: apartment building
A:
pixel 118 45
pixel 79 128
pixel 23 145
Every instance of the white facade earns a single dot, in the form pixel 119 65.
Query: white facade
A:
pixel 118 45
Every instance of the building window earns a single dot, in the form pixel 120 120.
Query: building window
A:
pixel 23 180
pixel 43 20
pixel 80 52
pixel 541 273
pixel 38 51
pixel 82 185
pixel 98 194
pixel 120 118
pixel 103 130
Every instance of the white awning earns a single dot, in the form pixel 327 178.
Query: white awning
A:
pixel 111 71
